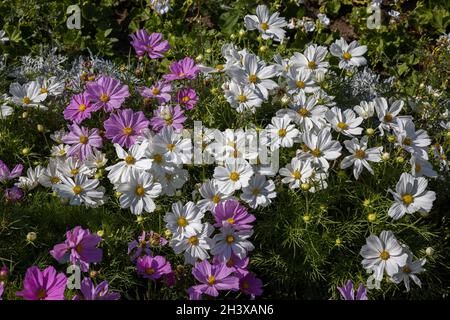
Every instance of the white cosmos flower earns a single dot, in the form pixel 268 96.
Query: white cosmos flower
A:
pixel 351 55
pixel 80 190
pixel 230 241
pixel 242 97
pixel 160 6
pixel 259 192
pixel 96 160
pixel 233 176
pixel 409 272
pixel 296 172
pixel 387 115
pixel 421 167
pixel 312 59
pixel 383 253
pixel 233 145
pixel 270 27
pixel 183 220
pixel 365 109
pixel 138 192
pixel 60 150
pixel 3 37
pixel 255 74
pixel 360 156
pixel 50 175
pixel 411 196
pixel 5 111
pixel 415 142
pixel 27 95
pixel 305 112
pixel 300 80
pixel 52 86
pixel 31 181
pixel 280 133
pixel 172 179
pixel 133 160
pixel 283 64
pixel 195 245
pixel 57 135
pixel 72 166
pixel 212 194
pixel 345 121
pixel 172 146
pixel 321 148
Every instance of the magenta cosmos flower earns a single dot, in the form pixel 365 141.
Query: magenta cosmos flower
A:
pixel 168 116
pixel 43 285
pixel 152 44
pixel 107 93
pixel 187 97
pixel 232 213
pixel 348 293
pixel 153 267
pixel 91 292
pixel 80 108
pixel 234 262
pixel 214 278
pixel 13 194
pixel 82 140
pixel 140 246
pixel 6 174
pixel 183 69
pixel 125 126
pixel 251 285
pixel 159 91
pixel 80 248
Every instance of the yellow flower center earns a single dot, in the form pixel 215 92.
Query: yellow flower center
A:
pixel 44 90
pixel 78 248
pixel 242 98
pixel 26 100
pixel 82 107
pixel 157 158
pixel 342 125
pixel 282 132
pixel 296 175
pixel 216 199
pixel 74 171
pixel 407 198
pixel 130 159
pixel 156 91
pixel 407 269
pixel 84 139
pixel 312 64
pixel 42 294
pixel 360 154
pixel 231 221
pixel 211 280
pixel 193 240
pixel 55 180
pixel 181 74
pixel 140 191
pixel 127 131
pixel 346 56
pixel 220 67
pixel 384 255
pixel 104 97
pixel 407 141
pixel 229 239
pixel 418 167
pixel 182 222
pixel 256 191
pixel 316 152
pixel 388 118
pixel 245 285
pixel 150 271
pixel 264 26
pixel 300 84
pixel 234 176
pixel 168 120
pixel 170 146
pixel 185 99
pixel 253 78
pixel 77 189
pixel 303 112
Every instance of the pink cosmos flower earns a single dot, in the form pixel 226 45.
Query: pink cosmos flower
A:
pixel 125 126
pixel 183 69
pixel 80 108
pixel 214 278
pixel 160 91
pixel 251 285
pixel 152 44
pixel 6 174
pixel 91 292
pixel 13 194
pixel 82 140
pixel 43 285
pixel 168 116
pixel 238 265
pixel 153 267
pixel 187 97
pixel 232 213
pixel 107 93
pixel 80 248
pixel 137 247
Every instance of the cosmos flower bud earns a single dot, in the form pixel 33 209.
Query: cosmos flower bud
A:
pixel 320 76
pixel 285 100
pixel 241 33
pixel 25 151
pixel 391 138
pixel 167 233
pixel 429 251
pixel 31 236
pixel 232 36
pixel 40 128
pixel 93 273
pixel 338 241
pixel 370 131
pixel 400 159
pixel 140 219
pixel 24 115
pixel 385 156
pixel 263 48
pixel 306 218
pixel 101 233
pixel 371 217
pixel 305 186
